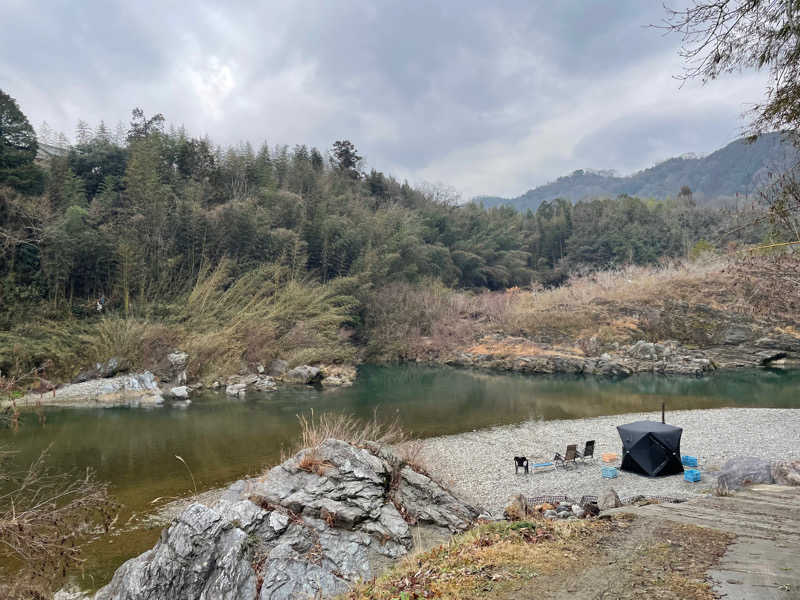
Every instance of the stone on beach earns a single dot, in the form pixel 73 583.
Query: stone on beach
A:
pixel 741 471
pixel 608 500
pixel 786 472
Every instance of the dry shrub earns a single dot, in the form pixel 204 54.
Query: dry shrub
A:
pixel 316 428
pixel 312 463
pixel 491 560
pixel 768 285
pixel 406 321
pixel 590 303
pixel 410 452
pixel 45 520
pixel 234 322
pixel 139 343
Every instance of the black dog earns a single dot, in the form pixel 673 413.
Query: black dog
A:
pixel 520 461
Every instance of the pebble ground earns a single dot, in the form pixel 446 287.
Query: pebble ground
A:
pixel 479 465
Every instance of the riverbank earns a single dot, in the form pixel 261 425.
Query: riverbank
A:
pixel 478 465
pixel 678 319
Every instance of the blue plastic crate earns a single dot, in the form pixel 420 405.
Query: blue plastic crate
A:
pixel 610 472
pixel 691 475
pixel 689 461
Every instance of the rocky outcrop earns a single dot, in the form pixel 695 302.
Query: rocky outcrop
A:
pixel 524 356
pixel 308 528
pixel 237 386
pixel 304 374
pixel 178 362
pixel 278 367
pixel 180 392
pixel 137 389
pixel 111 367
pixel 338 375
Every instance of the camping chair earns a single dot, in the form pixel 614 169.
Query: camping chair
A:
pixel 569 456
pixel 520 462
pixel 588 452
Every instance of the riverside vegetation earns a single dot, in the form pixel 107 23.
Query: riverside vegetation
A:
pixel 239 257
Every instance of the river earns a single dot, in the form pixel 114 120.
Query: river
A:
pixel 222 439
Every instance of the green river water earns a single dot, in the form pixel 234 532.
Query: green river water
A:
pixel 223 439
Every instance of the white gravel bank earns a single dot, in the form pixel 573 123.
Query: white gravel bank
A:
pixel 479 465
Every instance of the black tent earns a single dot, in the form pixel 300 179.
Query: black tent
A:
pixel 651 448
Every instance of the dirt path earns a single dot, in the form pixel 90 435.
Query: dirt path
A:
pixel 764 560
pixel 641 558
pixel 742 547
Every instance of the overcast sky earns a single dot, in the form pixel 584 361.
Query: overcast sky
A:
pixel 489 99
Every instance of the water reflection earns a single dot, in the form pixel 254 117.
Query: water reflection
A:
pixel 222 439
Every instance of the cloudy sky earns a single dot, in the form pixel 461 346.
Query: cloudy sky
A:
pixel 487 98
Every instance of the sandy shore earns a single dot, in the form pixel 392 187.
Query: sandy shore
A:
pixel 479 465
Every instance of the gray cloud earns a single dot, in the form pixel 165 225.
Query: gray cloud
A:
pixel 487 98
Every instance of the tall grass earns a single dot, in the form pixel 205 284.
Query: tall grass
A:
pixel 139 344
pixel 316 428
pixel 596 303
pixel 261 314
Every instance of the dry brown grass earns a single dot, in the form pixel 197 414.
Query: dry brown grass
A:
pixel 626 557
pixel 429 321
pixel 138 342
pixel 316 428
pixel 410 452
pixel 45 520
pixel 488 560
pixel 589 305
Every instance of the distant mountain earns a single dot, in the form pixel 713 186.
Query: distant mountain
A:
pixel 739 168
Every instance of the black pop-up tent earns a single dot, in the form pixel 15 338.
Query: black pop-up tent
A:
pixel 651 448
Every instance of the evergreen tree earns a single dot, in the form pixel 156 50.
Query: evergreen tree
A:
pixel 18 148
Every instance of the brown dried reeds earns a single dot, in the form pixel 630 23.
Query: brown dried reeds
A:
pixel 45 520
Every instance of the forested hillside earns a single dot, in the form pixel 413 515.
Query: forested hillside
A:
pixel 169 229
pixel 734 172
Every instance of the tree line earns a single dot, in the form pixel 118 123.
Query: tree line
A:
pixel 136 222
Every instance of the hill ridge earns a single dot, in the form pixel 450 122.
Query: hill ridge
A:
pixel 737 169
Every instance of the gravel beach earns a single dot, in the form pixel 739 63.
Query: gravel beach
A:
pixel 479 465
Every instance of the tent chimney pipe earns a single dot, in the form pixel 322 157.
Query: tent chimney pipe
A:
pixel 662 412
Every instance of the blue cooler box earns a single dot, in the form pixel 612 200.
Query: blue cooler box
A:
pixel 692 475
pixel 689 461
pixel 609 472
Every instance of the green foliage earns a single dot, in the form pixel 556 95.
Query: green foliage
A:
pixel 240 254
pixel 247 320
pixel 700 248
pixel 18 147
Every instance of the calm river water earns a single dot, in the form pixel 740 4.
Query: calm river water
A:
pixel 223 439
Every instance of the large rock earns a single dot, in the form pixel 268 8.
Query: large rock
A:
pixel 265 383
pixel 741 471
pixel 307 529
pixel 136 389
pixel 786 472
pixel 304 374
pixel 278 367
pixel 178 361
pixel 201 555
pixel 608 500
pixel 181 392
pixel 236 389
pixel 113 366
